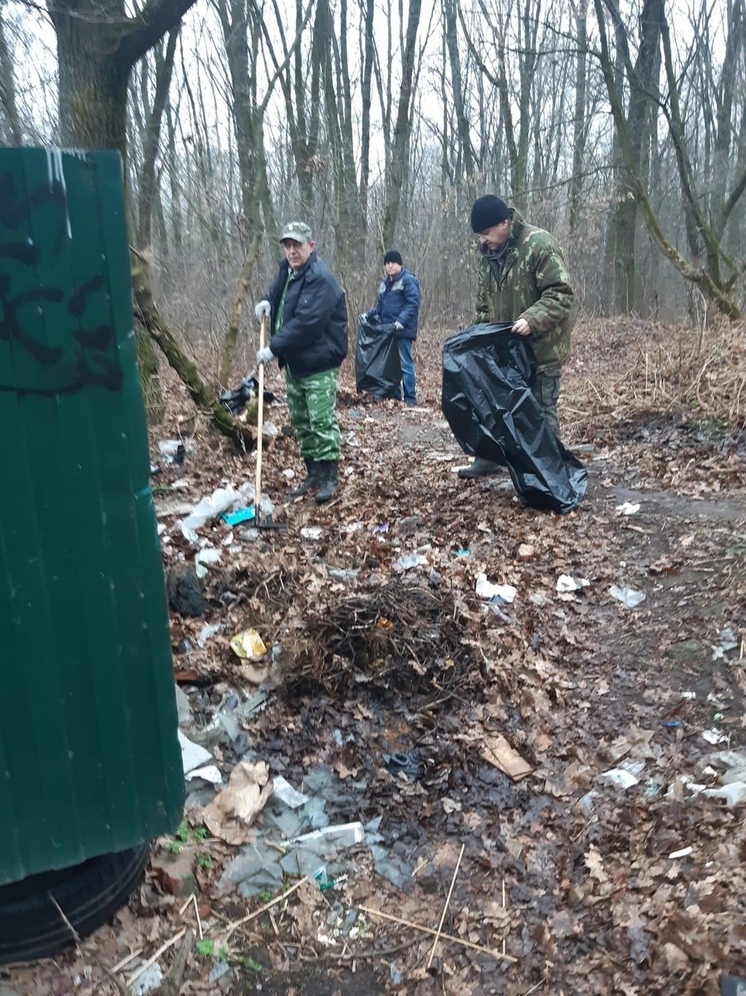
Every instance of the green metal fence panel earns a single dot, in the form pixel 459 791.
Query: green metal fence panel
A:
pixel 89 756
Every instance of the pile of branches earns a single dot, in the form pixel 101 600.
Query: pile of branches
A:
pixel 399 638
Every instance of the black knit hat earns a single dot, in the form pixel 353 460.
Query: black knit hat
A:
pixel 488 211
pixel 392 256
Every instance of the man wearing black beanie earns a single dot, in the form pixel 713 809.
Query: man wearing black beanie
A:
pixel 398 304
pixel 523 279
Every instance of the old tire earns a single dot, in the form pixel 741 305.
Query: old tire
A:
pixel 88 894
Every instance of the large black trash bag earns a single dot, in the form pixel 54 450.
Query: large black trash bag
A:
pixel 377 367
pixel 489 406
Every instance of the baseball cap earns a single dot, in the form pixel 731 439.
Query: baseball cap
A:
pixel 298 231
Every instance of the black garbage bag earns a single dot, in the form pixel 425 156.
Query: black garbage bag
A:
pixel 487 401
pixel 235 401
pixel 377 367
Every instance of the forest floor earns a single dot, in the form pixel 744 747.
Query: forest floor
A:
pixel 398 698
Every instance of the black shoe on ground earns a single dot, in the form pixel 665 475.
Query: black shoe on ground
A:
pixel 480 468
pixel 311 482
pixel 328 482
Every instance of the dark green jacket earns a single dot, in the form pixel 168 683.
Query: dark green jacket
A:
pixel 534 285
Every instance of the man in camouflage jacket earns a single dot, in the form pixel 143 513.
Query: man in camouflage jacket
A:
pixel 523 279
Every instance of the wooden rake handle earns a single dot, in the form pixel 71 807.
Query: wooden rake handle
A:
pixel 259 424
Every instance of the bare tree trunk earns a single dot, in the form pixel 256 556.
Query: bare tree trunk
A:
pixel 710 287
pixel 640 79
pixel 580 131
pixel 451 39
pixel 367 55
pixel 164 69
pixel 398 169
pixel 239 299
pixel 8 90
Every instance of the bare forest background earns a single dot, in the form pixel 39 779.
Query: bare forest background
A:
pixel 620 127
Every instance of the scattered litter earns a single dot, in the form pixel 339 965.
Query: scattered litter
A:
pixel 462 553
pixel 734 763
pixel 231 813
pixel 566 583
pixel 240 515
pixel 727 643
pixel 343 834
pixel 404 764
pixel 204 558
pixel 219 969
pixel 285 792
pixel 342 573
pixel 683 853
pixel 208 631
pixel 311 532
pixel 732 794
pixel 206 510
pixel 714 736
pixel 485 589
pixel 498 752
pixel 172 450
pixel 172 506
pixel 628 596
pixel 149 980
pixel 408 561
pixel 209 773
pixel 192 755
pixel 289 473
pixel 248 645
pixel 619 776
pixel 628 508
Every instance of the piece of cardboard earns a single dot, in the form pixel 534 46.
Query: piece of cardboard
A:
pixel 498 752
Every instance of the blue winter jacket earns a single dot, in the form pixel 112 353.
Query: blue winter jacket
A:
pixel 399 301
pixel 313 336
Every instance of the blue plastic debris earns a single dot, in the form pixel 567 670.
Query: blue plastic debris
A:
pixel 241 515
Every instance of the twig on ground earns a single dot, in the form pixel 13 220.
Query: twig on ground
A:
pixel 446 937
pixel 171 984
pixel 262 909
pixel 164 947
pixel 445 907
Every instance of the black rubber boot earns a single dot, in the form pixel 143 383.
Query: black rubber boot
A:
pixel 328 482
pixel 312 481
pixel 480 468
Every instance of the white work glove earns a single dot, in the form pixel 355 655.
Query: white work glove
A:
pixel 264 355
pixel 262 310
pixel 398 326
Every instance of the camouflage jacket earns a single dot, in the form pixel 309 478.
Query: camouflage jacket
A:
pixel 534 285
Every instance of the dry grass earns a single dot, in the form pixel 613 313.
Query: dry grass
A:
pixel 623 367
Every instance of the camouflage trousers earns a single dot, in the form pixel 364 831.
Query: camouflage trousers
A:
pixel 312 401
pixel 546 388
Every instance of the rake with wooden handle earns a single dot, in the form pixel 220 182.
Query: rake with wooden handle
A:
pixel 259 522
pixel 259 425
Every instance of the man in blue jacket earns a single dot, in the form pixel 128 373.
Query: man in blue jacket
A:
pixel 398 304
pixel 308 316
